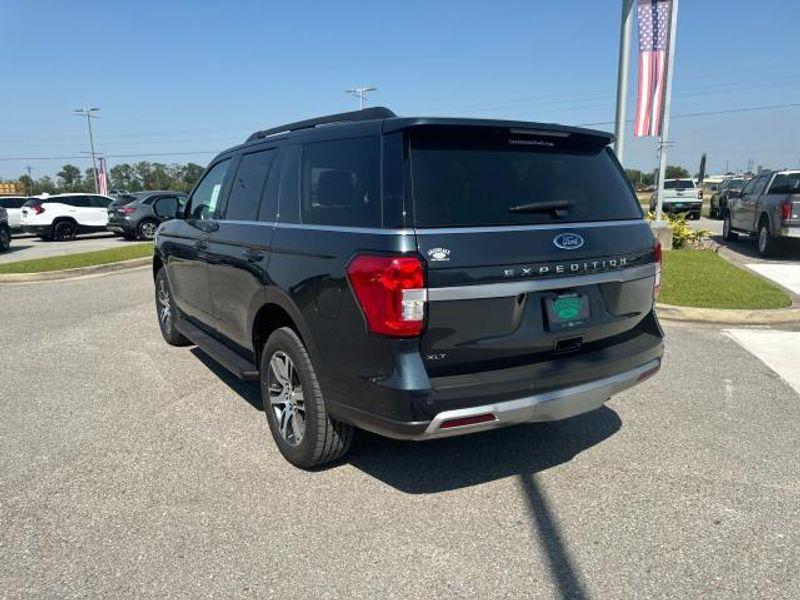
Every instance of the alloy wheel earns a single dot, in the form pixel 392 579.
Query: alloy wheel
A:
pixel 5 239
pixel 164 307
pixel 286 398
pixel 64 231
pixel 148 230
pixel 762 239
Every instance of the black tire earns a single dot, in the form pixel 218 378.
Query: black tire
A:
pixel 165 302
pixel 146 230
pixel 5 238
pixel 64 230
pixel 129 236
pixel 310 437
pixel 766 244
pixel 727 232
pixel 712 213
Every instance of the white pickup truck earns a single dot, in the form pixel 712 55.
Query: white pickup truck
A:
pixel 680 196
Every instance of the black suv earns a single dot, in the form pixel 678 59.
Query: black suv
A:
pixel 135 217
pixel 414 277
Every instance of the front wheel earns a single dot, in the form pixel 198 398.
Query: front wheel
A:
pixel 727 232
pixel 146 230
pixel 166 311
pixel 5 238
pixel 305 434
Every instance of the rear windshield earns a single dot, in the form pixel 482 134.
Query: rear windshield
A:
pixel 736 184
pixel 33 202
pixel 678 184
pixel 786 183
pixel 461 179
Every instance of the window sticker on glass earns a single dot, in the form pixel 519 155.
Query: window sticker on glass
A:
pixel 212 203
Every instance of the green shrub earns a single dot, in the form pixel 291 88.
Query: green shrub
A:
pixel 683 236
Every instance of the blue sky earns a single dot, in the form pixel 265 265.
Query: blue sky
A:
pixel 196 77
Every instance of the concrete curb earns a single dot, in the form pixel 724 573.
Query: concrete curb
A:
pixel 728 316
pixel 123 265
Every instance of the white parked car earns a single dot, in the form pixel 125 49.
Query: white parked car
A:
pixel 13 206
pixel 680 196
pixel 63 216
pixel 5 231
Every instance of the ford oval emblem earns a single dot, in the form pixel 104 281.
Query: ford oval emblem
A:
pixel 568 241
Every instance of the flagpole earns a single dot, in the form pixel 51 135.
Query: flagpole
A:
pixel 622 77
pixel 662 146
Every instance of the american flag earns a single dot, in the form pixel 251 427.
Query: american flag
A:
pixel 654 18
pixel 102 180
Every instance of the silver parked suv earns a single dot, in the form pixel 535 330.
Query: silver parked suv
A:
pixel 769 206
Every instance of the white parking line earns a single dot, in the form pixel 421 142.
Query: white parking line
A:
pixel 786 275
pixel 779 350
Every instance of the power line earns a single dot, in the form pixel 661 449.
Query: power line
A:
pixel 709 113
pixel 137 155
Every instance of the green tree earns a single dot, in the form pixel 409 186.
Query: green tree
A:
pixel 69 177
pixel 122 176
pixel 676 172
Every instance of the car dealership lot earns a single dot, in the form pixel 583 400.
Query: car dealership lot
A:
pixel 27 247
pixel 130 468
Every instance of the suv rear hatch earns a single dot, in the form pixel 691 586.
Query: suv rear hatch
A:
pixel 534 241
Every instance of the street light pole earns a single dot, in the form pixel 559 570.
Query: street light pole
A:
pixel 662 162
pixel 87 112
pixel 361 93
pixel 622 76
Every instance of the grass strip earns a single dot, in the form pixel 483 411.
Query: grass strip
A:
pixel 82 259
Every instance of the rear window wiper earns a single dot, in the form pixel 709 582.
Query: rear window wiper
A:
pixel 558 207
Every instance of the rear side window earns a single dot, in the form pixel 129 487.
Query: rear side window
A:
pixel 203 202
pixel 248 186
pixel 463 178
pixel 11 202
pixel 341 183
pixel 785 183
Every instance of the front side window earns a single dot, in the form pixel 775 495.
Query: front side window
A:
pixel 166 206
pixel 786 183
pixel 341 183
pixel 203 202
pixel 248 186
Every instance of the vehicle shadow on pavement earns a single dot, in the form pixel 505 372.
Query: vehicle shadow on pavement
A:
pixel 746 247
pixel 454 463
pixel 250 391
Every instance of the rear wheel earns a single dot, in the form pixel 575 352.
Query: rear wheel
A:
pixel 5 238
pixel 64 231
pixel 166 311
pixel 727 232
pixel 765 243
pixel 301 427
pixel 146 230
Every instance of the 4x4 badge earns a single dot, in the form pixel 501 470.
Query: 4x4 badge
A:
pixel 439 254
pixel 568 241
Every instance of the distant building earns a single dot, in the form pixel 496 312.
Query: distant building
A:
pixel 11 188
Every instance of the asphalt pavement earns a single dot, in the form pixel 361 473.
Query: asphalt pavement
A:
pixel 129 468
pixel 26 247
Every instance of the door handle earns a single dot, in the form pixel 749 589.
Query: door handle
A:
pixel 253 255
pixel 200 245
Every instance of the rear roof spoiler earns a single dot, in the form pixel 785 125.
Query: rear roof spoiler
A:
pixel 515 127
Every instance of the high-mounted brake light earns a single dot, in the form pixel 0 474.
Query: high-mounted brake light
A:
pixel 391 292
pixel 786 210
pixel 657 260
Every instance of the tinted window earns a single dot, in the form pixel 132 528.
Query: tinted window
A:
pixel 166 206
pixel 786 183
pixel 33 202
pixel 99 201
pixel 203 202
pixel 341 183
pixel 248 185
pixel 289 210
pixel 12 202
pixel 736 184
pixel 77 201
pixel 759 184
pixel 469 179
pixel 678 184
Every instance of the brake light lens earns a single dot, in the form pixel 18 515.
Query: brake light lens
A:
pixel 786 211
pixel 37 209
pixel 657 258
pixel 126 210
pixel 391 292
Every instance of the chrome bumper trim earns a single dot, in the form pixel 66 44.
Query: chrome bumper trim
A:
pixel 793 232
pixel 499 290
pixel 548 406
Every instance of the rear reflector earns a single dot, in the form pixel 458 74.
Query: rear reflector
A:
pixel 474 420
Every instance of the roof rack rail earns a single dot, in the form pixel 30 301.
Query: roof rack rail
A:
pixel 367 114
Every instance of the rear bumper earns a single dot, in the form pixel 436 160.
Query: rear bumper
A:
pixel 121 226
pixel 682 207
pixel 792 232
pixel 552 390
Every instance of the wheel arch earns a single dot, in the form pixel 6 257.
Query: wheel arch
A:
pixel 274 314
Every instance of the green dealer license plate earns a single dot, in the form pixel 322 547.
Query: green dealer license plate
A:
pixel 567 310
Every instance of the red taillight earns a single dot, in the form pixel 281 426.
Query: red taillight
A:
pixel 786 211
pixel 38 209
pixel 657 259
pixel 391 292
pixel 126 210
